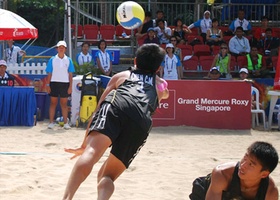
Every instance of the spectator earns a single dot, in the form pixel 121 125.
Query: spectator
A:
pixel 269 44
pixel 12 53
pixel 178 53
pixel 5 78
pixel 247 179
pixel 241 21
pixel 170 67
pixel 159 15
pixel 84 56
pixel 243 74
pixel 204 24
pixel 180 32
pixel 256 64
pixel 222 61
pixel 148 23
pixel 104 58
pixel 239 45
pixel 151 37
pixel 59 82
pixel 163 33
pixel 214 36
pixel 259 34
pixel 214 74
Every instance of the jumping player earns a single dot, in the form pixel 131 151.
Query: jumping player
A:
pixel 122 121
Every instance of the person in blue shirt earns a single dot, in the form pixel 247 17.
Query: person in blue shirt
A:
pixel 241 21
pixel 84 57
pixel 204 24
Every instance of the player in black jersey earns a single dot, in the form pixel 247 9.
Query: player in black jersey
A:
pixel 122 121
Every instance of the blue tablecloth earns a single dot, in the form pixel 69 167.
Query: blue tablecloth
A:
pixel 17 106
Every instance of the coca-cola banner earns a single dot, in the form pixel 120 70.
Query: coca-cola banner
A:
pixel 208 104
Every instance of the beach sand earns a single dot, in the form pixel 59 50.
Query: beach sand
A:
pixel 33 164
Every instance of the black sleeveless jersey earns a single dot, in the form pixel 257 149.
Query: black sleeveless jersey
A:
pixel 234 191
pixel 136 97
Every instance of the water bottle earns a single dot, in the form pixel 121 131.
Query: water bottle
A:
pixel 124 34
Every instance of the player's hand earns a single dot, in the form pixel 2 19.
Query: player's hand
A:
pixel 77 152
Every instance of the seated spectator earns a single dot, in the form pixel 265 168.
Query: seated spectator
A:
pixel 177 52
pixel 239 45
pixel 170 67
pixel 222 61
pixel 5 78
pixel 204 24
pixel 241 21
pixel 180 32
pixel 151 37
pixel 243 74
pixel 148 23
pixel 256 65
pixel 214 36
pixel 104 58
pixel 260 31
pixel 162 32
pixel 159 15
pixel 84 57
pixel 214 74
pixel 269 44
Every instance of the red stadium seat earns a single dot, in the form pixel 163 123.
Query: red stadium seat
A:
pixel 107 32
pixel 192 38
pixel 206 62
pixel 227 39
pixel 233 64
pixel 201 50
pixel 195 31
pixel 191 64
pixel 91 31
pixel 186 49
pixel 241 61
pixel 215 50
pixel 140 41
pixel 120 30
pixel 80 30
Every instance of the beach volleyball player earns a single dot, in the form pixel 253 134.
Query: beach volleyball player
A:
pixel 122 121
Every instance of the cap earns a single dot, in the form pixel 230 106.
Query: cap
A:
pixel 207 11
pixel 61 43
pixel 169 45
pixel 243 70
pixel 3 62
pixel 215 68
pixel 150 29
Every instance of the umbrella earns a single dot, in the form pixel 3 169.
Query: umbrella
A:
pixel 14 27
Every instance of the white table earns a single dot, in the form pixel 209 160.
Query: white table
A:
pixel 275 94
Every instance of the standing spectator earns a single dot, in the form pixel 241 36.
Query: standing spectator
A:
pixel 5 78
pixel 214 36
pixel 148 23
pixel 12 53
pixel 204 24
pixel 239 45
pixel 159 15
pixel 241 21
pixel 269 44
pixel 163 33
pixel 84 56
pixel 180 32
pixel 178 53
pixel 222 61
pixel 104 58
pixel 151 37
pixel 256 65
pixel 59 82
pixel 170 67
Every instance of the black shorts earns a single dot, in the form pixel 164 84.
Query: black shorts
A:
pixel 126 135
pixel 59 89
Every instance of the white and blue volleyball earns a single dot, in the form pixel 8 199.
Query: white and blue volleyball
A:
pixel 130 15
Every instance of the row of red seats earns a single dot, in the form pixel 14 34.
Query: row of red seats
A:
pixel 95 32
pixel 203 63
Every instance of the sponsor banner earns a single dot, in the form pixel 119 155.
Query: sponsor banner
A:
pixel 207 104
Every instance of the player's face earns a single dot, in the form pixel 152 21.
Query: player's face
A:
pixel 250 168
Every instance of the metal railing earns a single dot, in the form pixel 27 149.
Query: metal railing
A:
pixel 189 12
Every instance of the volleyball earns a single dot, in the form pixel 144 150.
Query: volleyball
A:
pixel 130 15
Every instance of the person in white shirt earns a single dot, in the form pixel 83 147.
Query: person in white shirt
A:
pixel 104 58
pixel 163 32
pixel 239 45
pixel 84 56
pixel 13 52
pixel 241 21
pixel 204 24
pixel 170 67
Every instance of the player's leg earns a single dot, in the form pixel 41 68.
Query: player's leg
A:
pixel 64 108
pixel 53 103
pixel 108 173
pixel 97 144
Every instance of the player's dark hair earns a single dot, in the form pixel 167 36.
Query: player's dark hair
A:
pixel 265 153
pixel 149 57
